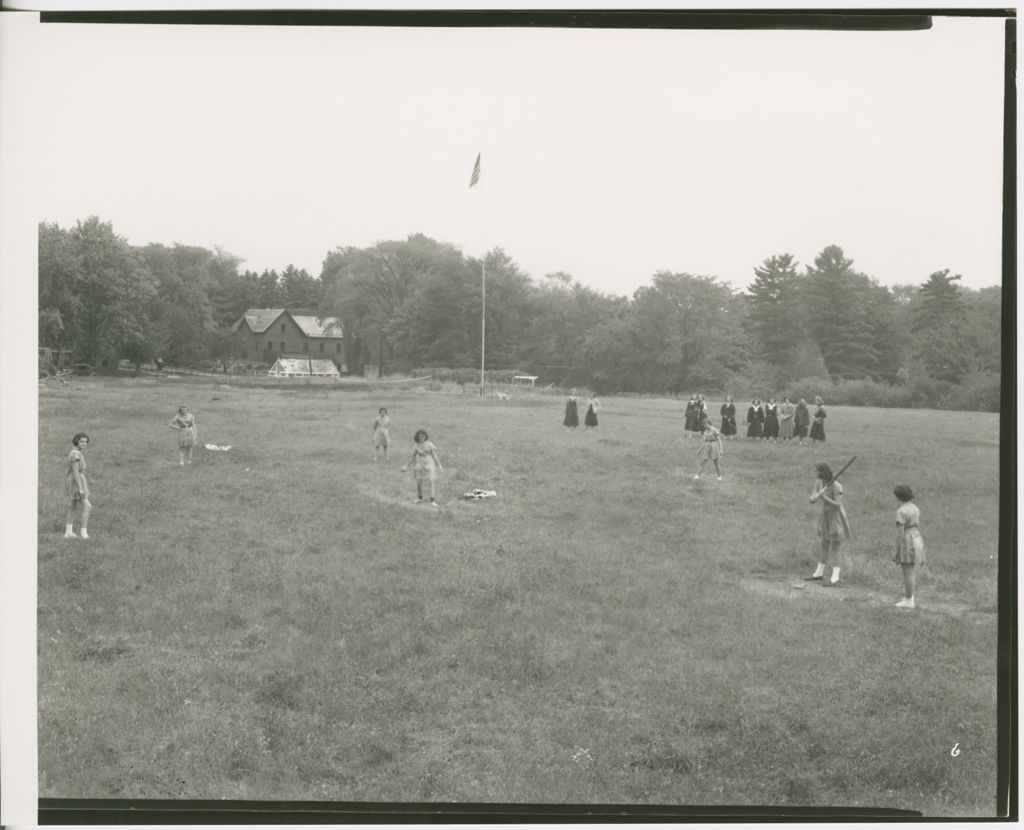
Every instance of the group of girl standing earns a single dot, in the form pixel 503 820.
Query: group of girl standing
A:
pixel 772 421
pixel 834 528
pixel 572 415
pixel 424 460
pixel 76 484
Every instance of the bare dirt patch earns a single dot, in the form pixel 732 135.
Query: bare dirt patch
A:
pixel 797 589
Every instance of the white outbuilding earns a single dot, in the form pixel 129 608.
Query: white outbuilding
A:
pixel 304 367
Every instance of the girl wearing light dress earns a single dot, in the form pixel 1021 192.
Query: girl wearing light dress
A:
pixel 426 465
pixel 381 441
pixel 910 550
pixel 76 486
pixel 188 434
pixel 711 449
pixel 786 413
pixel 833 525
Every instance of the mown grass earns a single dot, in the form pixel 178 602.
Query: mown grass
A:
pixel 280 622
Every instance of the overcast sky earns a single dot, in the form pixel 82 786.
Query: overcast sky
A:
pixel 606 154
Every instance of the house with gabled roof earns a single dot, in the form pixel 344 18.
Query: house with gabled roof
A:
pixel 267 334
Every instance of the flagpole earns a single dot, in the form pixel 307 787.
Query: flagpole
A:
pixel 483 298
pixel 473 181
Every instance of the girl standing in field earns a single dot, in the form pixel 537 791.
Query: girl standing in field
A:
pixel 691 423
pixel 711 449
pixel 771 419
pixel 593 407
pixel 833 525
pixel 380 433
pixel 728 412
pixel 426 465
pixel 572 415
pixel 188 434
pixel 818 427
pixel 702 411
pixel 755 419
pixel 786 412
pixel 77 488
pixel 909 543
pixel 801 420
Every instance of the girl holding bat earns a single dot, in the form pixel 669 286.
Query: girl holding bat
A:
pixel 833 525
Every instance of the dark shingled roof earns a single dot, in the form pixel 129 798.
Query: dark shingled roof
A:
pixel 311 325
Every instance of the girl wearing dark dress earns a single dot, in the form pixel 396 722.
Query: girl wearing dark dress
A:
pixel 702 412
pixel 771 419
pixel 692 423
pixel 572 416
pixel 755 420
pixel 593 407
pixel 818 427
pixel 801 420
pixel 728 412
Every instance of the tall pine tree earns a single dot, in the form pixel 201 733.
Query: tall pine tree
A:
pixel 938 321
pixel 773 317
pixel 839 315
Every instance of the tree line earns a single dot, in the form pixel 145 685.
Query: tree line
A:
pixel 415 304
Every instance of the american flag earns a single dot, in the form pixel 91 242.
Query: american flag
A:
pixel 473 179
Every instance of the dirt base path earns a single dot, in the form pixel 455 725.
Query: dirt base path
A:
pixel 800 590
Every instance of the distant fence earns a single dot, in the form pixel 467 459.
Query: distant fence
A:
pixel 261 380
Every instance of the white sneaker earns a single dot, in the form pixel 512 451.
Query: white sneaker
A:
pixel 70 534
pixel 905 603
pixel 719 478
pixel 84 535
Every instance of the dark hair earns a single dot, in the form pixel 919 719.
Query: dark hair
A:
pixel 382 409
pixel 903 492
pixel 78 437
pixel 824 471
pixel 420 432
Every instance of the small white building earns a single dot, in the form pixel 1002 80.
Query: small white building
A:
pixel 304 367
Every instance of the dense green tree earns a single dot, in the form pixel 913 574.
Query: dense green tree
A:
pixel 269 291
pixel 773 315
pixel 938 322
pixel 60 300
pixel 983 329
pixel 231 293
pixel 300 290
pixel 115 290
pixel 368 289
pixel 685 330
pixel 838 315
pixel 181 316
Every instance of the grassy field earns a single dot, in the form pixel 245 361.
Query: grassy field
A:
pixel 280 621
